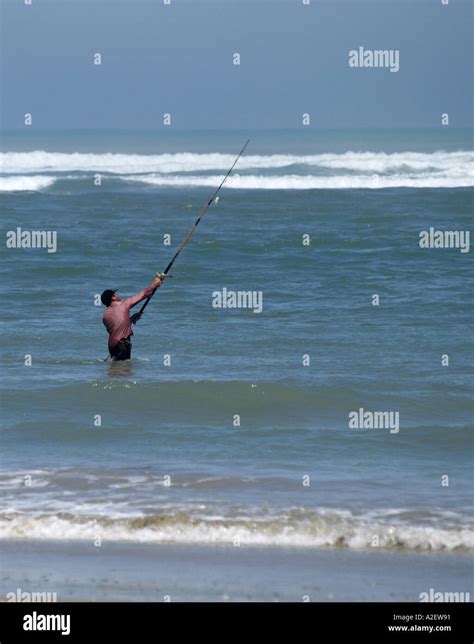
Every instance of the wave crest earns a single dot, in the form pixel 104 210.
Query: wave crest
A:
pixel 25 183
pixel 354 170
pixel 315 530
pixel 309 182
pixel 41 161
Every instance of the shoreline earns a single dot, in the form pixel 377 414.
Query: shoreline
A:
pixel 80 571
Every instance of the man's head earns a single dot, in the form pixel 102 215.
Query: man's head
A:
pixel 108 297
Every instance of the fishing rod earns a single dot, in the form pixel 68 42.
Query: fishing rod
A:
pixel 136 316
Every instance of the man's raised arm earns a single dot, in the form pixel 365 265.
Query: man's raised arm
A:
pixel 130 302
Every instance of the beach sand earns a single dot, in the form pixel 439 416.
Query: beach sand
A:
pixel 80 571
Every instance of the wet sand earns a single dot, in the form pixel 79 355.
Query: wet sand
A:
pixel 159 572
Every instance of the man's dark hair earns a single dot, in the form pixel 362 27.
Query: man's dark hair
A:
pixel 107 296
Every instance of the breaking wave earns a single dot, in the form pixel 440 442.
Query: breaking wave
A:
pixel 350 170
pixel 40 161
pixel 309 182
pixel 25 183
pixel 294 528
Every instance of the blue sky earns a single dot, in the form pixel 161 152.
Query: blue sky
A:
pixel 178 59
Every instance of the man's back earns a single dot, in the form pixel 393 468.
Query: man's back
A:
pixel 117 322
pixel 117 317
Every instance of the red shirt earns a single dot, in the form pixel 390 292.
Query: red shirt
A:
pixel 117 319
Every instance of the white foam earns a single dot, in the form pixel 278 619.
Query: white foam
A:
pixel 25 183
pixel 309 182
pixel 383 162
pixel 323 530
pixel 41 161
pixel 351 170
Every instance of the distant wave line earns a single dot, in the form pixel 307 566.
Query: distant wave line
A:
pixel 380 162
pixel 25 183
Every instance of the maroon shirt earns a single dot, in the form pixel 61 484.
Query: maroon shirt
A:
pixel 117 318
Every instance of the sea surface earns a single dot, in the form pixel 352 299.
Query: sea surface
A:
pixel 146 451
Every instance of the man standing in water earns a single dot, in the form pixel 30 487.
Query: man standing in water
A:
pixel 117 319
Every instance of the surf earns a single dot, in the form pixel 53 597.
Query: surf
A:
pixel 292 528
pixel 39 161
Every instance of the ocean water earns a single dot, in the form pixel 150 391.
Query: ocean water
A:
pixel 167 463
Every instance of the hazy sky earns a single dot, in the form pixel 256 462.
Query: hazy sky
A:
pixel 178 59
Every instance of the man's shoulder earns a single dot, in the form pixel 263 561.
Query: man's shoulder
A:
pixel 113 306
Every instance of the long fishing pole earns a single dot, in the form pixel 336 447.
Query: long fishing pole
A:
pixel 138 315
